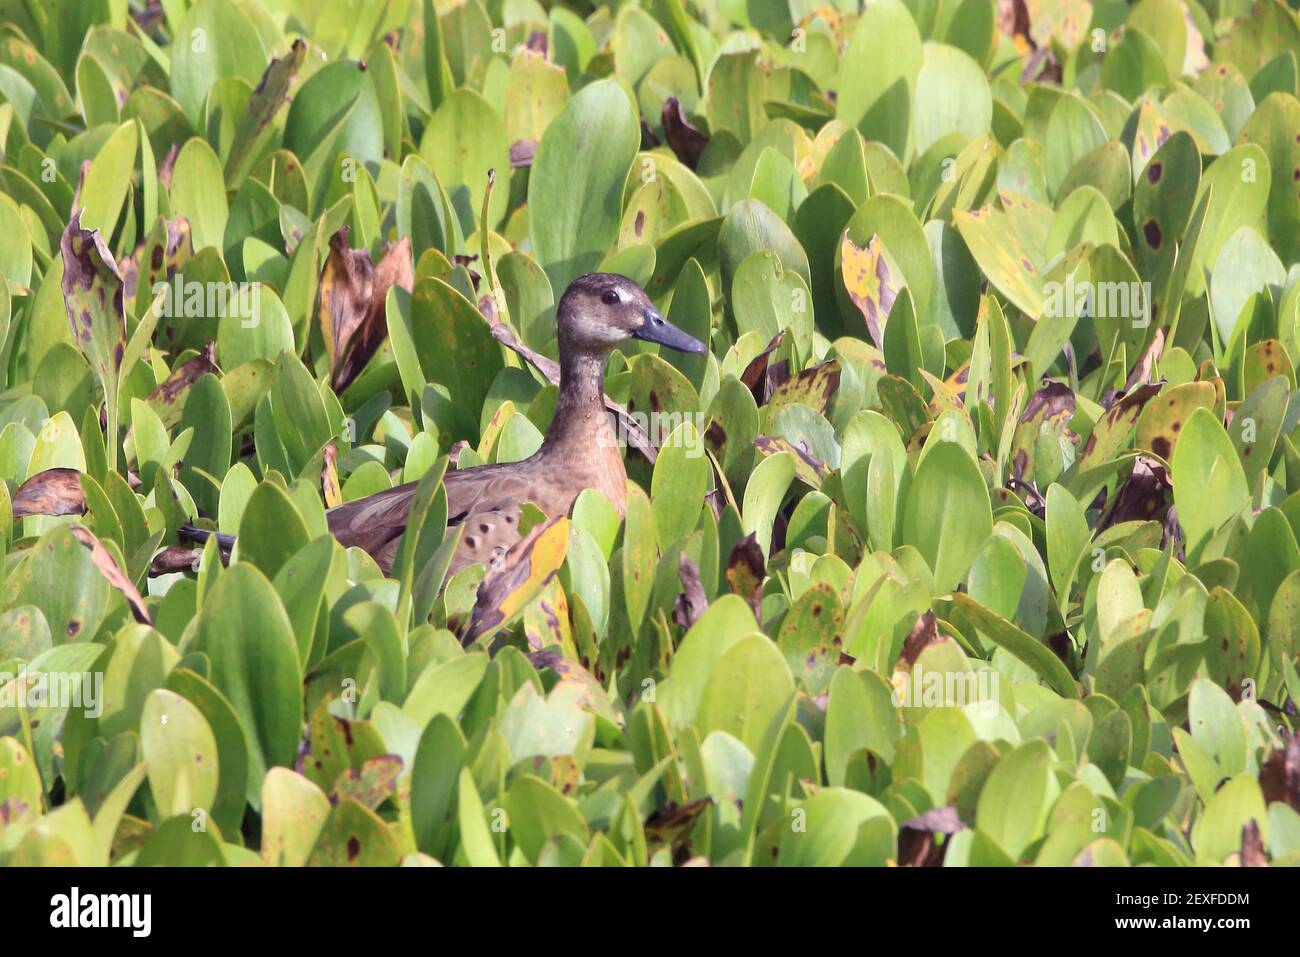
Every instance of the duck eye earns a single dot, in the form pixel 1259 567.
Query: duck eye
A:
pixel 609 297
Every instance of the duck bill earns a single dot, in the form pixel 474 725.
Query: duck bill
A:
pixel 659 330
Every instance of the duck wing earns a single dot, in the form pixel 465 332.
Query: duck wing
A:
pixel 485 499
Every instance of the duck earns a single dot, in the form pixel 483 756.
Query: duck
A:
pixel 597 312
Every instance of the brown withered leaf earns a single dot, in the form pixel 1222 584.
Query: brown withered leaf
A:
pixel 916 844
pixel 685 139
pixel 636 435
pixel 176 558
pixel 168 399
pixel 923 634
pixel 1144 496
pixel 352 294
pixel 1252 846
pixel 1141 372
pixel 168 166
pixel 1279 775
pixel 1013 19
pixel 745 572
pixel 692 602
pixel 52 492
pixel 761 377
pixel 522 153
pixel 112 573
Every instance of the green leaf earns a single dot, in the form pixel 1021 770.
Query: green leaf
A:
pixel 576 182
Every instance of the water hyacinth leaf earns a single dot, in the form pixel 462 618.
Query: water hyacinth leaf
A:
pixel 1000 252
pixel 249 641
pixel 1209 484
pixel 571 227
pixel 681 478
pixel 871 283
pixel 952 95
pixel 92 291
pixel 747 685
pixel 180 753
pixel 1272 126
pixel 268 99
pixel 974 524
pixel 879 75
pixel 947 484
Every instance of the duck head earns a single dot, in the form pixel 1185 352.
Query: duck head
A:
pixel 601 309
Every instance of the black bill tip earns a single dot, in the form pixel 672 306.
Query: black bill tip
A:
pixel 657 329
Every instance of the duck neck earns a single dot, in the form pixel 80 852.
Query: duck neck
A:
pixel 580 417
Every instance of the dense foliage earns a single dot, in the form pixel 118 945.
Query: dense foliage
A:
pixel 973 540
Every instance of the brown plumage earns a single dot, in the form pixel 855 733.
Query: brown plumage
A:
pixel 580 450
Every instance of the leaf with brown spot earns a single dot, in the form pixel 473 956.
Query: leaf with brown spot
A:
pixel 1049 410
pixel 268 99
pixel 810 637
pixel 520 577
pixel 371 784
pixel 165 251
pixel 1111 433
pixel 872 282
pixel 114 575
pixel 569 670
pixel 1162 420
pixel 902 404
pixel 329 476
pixel 354 836
pixel 168 399
pixel 808 469
pixel 92 299
pixel 52 492
pixel 546 621
pixel 815 387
